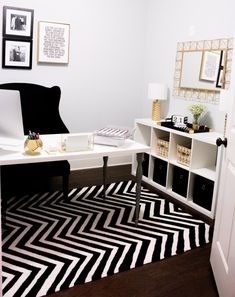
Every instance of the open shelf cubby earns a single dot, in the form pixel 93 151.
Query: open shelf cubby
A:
pixel 185 166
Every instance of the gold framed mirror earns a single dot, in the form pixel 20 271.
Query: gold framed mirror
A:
pixel 202 68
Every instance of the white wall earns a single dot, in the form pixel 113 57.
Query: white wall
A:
pixel 102 84
pixel 170 22
pixel 117 48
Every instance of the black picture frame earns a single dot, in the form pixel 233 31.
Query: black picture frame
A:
pixel 17 22
pixel 17 54
pixel 220 77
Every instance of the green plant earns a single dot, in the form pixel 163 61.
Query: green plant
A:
pixel 197 111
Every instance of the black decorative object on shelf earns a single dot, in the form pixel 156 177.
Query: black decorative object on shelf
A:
pixel 145 165
pixel 188 127
pixel 180 181
pixel 160 171
pixel 203 192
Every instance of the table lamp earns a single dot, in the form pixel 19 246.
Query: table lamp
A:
pixel 157 92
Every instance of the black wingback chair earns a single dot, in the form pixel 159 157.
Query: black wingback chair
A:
pixel 40 112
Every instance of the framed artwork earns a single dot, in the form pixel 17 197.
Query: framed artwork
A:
pixel 17 22
pixel 221 72
pixel 53 42
pixel 16 53
pixel 210 65
pixel 220 79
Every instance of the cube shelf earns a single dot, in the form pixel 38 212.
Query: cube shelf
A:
pixel 160 171
pixel 184 166
pixel 180 181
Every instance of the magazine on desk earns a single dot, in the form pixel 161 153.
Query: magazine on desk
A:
pixel 113 136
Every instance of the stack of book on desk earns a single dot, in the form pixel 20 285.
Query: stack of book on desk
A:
pixel 113 136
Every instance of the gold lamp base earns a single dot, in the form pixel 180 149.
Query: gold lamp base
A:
pixel 156 111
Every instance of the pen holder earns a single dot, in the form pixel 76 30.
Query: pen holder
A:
pixel 33 146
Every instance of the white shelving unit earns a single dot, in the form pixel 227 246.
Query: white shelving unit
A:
pixel 195 183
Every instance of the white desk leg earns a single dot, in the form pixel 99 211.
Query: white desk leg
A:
pixel 0 238
pixel 139 173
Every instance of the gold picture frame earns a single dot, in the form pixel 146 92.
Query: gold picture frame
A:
pixel 224 45
pixel 53 42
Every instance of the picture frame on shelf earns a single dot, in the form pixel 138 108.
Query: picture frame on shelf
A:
pixel 210 66
pixel 53 42
pixel 17 22
pixel 220 79
pixel 17 54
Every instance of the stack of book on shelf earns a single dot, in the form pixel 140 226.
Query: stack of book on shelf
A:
pixel 113 136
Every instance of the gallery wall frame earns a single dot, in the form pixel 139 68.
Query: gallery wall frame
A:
pixel 17 22
pixel 16 53
pixel 53 42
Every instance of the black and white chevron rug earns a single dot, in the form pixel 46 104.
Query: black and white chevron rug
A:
pixel 51 244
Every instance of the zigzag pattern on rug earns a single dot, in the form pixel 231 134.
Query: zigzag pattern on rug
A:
pixel 51 244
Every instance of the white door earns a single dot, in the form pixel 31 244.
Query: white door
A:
pixel 223 245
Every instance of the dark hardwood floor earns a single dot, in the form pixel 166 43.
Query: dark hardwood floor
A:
pixel 186 275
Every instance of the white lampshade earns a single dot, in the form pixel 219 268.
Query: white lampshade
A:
pixel 157 91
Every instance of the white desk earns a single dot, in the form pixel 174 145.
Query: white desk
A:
pixel 99 151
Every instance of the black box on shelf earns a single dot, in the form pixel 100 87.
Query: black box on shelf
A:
pixel 180 181
pixel 160 171
pixel 203 192
pixel 145 165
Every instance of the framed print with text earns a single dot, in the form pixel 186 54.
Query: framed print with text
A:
pixel 17 22
pixel 17 53
pixel 53 42
pixel 210 65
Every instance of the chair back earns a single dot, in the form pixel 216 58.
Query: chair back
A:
pixel 40 108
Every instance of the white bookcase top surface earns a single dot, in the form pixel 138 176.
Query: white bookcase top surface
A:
pixel 207 137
